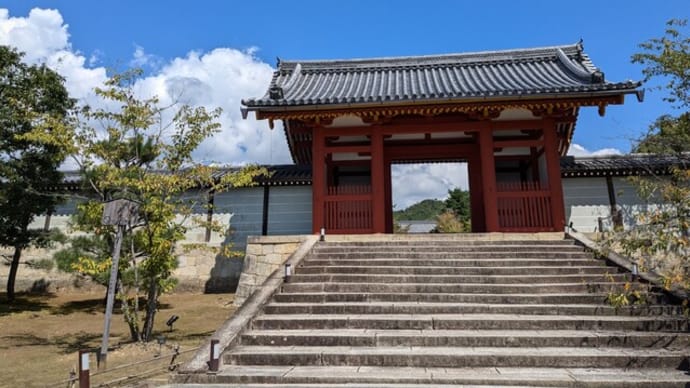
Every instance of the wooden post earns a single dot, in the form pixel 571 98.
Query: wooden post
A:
pixel 553 169
pixel 119 213
pixel 378 198
pixel 318 179
pixel 103 358
pixel 615 214
pixel 486 149
pixel 264 211
pixel 209 214
pixel 84 372
pixel 214 356
pixel 389 196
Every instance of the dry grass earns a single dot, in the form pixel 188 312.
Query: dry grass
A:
pixel 40 335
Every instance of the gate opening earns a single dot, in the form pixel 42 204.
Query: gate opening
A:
pixel 430 197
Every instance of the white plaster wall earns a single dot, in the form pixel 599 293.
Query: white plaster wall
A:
pixel 585 199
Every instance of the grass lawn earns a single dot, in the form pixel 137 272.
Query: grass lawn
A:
pixel 40 335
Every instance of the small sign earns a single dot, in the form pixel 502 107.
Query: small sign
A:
pixel 120 212
pixel 85 361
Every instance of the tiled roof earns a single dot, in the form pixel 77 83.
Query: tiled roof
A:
pixel 571 167
pixel 280 175
pixel 620 165
pixel 287 175
pixel 536 72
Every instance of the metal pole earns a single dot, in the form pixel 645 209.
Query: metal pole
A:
pixel 102 359
pixel 84 369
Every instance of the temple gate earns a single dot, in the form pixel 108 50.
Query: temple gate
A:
pixel 509 114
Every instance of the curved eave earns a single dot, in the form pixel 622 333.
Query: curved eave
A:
pixel 445 105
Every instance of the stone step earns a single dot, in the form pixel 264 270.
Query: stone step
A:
pixel 477 288
pixel 457 279
pixel 467 322
pixel 476 255
pixel 330 376
pixel 507 298
pixel 429 262
pixel 429 270
pixel 467 338
pixel 431 241
pixel 448 249
pixel 467 308
pixel 453 357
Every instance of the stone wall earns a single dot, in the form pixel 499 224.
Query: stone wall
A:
pixel 199 270
pixel 33 279
pixel 264 255
pixel 203 270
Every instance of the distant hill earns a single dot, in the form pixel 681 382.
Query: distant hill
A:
pixel 427 209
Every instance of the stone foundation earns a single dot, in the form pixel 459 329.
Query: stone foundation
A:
pixel 265 254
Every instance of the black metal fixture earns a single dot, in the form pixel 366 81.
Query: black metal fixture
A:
pixel 171 321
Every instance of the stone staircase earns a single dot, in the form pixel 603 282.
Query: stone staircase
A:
pixel 457 312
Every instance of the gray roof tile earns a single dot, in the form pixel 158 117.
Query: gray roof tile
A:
pixel 622 165
pixel 531 72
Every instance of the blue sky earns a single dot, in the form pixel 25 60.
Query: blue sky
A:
pixel 243 39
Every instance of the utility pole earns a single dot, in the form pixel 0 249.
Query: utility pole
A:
pixel 120 213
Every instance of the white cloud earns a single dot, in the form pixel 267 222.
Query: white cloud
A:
pixel 39 35
pixel 219 78
pixel 578 150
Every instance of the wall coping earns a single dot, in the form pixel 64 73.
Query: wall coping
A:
pixel 626 263
pixel 277 239
pixel 229 332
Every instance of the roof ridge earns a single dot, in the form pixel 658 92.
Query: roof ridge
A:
pixel 483 56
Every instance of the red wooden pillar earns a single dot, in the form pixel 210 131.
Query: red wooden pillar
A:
pixel 486 151
pixel 318 185
pixel 474 173
pixel 389 195
pixel 553 169
pixel 378 191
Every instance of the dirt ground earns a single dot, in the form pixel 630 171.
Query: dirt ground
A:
pixel 40 336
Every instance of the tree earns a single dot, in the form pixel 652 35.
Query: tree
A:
pixel 668 58
pixel 32 99
pixel 458 202
pixel 660 239
pixel 143 152
pixel 425 209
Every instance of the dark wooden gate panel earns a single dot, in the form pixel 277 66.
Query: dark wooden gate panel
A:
pixel 524 207
pixel 348 209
